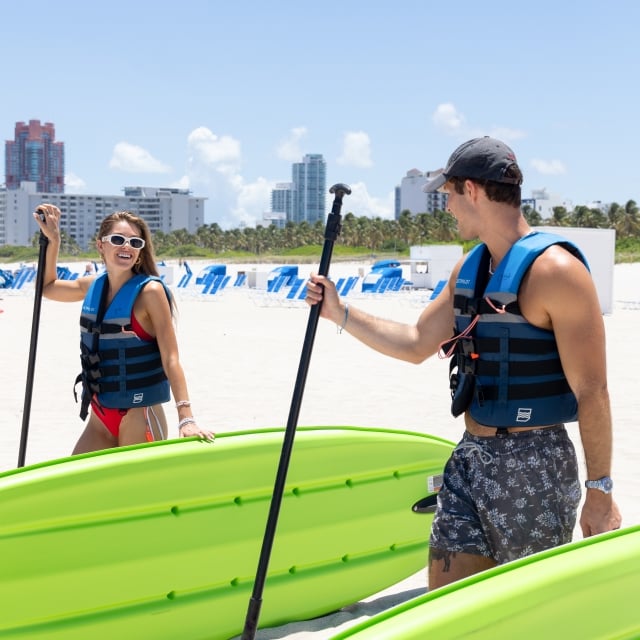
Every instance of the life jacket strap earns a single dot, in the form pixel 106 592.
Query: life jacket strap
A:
pixel 132 385
pixel 527 391
pixel 521 369
pixel 523 346
pixel 91 326
pixel 136 368
pixel 469 306
pixel 85 396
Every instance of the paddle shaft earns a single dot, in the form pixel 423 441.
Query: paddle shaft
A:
pixel 35 326
pixel 332 231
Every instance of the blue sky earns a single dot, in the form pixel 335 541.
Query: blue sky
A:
pixel 222 97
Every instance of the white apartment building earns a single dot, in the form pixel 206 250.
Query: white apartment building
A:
pixel 163 209
pixel 412 198
pixel 543 202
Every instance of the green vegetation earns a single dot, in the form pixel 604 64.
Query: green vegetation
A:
pixel 360 237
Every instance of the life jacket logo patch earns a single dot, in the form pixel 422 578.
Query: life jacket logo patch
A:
pixel 524 415
pixel 137 398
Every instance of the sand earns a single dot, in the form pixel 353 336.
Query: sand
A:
pixel 241 351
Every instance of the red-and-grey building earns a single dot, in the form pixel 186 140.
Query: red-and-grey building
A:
pixel 35 156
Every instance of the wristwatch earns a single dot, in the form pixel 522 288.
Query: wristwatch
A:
pixel 604 484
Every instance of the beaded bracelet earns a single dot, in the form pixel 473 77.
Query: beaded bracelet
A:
pixel 186 421
pixel 183 403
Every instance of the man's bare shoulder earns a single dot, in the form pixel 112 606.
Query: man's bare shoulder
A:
pixel 557 260
pixel 557 281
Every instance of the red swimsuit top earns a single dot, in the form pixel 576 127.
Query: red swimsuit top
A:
pixel 138 330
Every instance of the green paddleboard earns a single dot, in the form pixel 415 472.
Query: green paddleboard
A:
pixel 585 590
pixel 163 540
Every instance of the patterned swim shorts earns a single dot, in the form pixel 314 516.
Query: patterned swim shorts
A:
pixel 508 497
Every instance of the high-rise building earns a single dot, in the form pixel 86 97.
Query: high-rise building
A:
pixel 281 199
pixel 309 185
pixel 35 156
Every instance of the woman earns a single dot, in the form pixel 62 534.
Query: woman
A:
pixel 128 341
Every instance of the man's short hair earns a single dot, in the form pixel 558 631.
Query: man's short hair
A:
pixel 508 193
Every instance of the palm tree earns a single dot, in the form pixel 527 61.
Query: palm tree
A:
pixel 406 226
pixel 375 235
pixel 444 227
pixel 583 216
pixel 68 244
pixel 631 225
pixel 291 235
pixel 210 237
pixel 349 222
pixel 559 217
pixel 532 217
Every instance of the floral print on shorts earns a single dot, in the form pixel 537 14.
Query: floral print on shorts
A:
pixel 506 497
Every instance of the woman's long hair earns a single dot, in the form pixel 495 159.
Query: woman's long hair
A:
pixel 146 262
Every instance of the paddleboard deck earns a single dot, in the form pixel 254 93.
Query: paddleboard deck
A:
pixel 580 590
pixel 162 540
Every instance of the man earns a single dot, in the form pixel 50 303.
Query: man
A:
pixel 527 355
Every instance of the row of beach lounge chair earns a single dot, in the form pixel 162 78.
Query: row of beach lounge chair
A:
pixel 282 289
pixel 26 274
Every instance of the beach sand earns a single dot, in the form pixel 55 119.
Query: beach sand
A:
pixel 241 351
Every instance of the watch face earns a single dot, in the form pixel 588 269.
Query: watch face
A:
pixel 607 484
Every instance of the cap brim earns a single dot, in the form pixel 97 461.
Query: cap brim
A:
pixel 435 183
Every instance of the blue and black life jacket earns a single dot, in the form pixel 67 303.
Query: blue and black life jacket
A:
pixel 505 371
pixel 123 370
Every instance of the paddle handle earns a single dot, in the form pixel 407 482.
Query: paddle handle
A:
pixel 332 228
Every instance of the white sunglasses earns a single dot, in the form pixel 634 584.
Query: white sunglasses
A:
pixel 118 240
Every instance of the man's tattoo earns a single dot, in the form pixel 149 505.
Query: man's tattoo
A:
pixel 445 556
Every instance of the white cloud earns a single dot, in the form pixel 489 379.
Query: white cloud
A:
pixel 505 134
pixel 448 119
pixel 73 183
pixel 549 167
pixel 361 203
pixel 219 152
pixel 181 183
pixel 134 159
pixel 253 200
pixel 213 171
pixel 290 148
pixel 356 150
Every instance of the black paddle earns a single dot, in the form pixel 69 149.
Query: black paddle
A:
pixel 332 231
pixel 35 325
